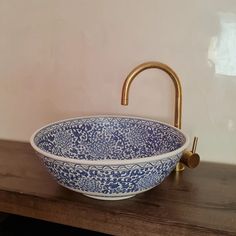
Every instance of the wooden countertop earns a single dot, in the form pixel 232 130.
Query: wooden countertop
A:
pixel 195 202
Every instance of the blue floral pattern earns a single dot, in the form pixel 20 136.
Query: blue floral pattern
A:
pixel 105 138
pixel 111 180
pixel 79 142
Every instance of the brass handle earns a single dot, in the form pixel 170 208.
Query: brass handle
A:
pixel 194 144
pixel 190 158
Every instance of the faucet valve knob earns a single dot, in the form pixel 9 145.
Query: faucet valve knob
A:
pixel 190 158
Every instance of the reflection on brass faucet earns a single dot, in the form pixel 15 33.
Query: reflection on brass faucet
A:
pixel 178 105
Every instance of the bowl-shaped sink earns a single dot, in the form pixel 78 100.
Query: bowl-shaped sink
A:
pixel 109 157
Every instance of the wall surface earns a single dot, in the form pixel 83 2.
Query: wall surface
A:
pixel 68 58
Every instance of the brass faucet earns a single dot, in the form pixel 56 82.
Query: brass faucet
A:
pixel 189 158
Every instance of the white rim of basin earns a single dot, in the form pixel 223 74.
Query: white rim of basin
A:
pixel 109 162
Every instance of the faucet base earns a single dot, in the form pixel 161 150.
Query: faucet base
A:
pixel 179 167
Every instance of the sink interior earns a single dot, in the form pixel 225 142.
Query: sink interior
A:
pixel 103 138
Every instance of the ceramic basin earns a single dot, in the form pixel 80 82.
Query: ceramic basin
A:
pixel 109 157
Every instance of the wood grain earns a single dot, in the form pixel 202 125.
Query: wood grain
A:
pixel 195 202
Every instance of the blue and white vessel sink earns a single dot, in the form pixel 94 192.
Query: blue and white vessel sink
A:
pixel 109 157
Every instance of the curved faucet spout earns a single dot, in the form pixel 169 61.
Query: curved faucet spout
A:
pixel 157 65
